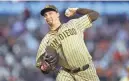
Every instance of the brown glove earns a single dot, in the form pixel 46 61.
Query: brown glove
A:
pixel 50 60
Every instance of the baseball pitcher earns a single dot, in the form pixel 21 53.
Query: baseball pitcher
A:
pixel 68 42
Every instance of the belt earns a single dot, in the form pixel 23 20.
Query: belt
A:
pixel 76 70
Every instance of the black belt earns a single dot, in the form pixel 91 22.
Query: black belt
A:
pixel 77 69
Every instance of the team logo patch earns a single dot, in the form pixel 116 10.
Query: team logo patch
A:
pixel 47 6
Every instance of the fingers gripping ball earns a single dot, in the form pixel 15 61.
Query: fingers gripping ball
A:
pixel 70 12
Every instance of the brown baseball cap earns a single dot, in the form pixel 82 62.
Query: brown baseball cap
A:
pixel 48 8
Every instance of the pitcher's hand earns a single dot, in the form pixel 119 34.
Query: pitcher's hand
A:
pixel 70 12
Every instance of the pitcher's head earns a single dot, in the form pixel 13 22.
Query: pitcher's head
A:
pixel 51 14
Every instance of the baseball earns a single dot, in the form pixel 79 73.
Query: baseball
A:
pixel 67 13
pixel 70 12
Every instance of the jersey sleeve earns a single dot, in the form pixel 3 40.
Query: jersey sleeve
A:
pixel 83 22
pixel 41 50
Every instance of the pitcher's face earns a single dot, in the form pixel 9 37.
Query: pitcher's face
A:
pixel 51 17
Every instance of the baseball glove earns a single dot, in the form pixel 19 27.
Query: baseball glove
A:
pixel 50 60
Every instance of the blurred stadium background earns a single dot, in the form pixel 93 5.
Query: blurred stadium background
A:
pixel 22 28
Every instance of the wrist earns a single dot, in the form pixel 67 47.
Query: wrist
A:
pixel 83 11
pixel 76 9
pixel 79 10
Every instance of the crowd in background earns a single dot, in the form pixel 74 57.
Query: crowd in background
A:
pixel 20 35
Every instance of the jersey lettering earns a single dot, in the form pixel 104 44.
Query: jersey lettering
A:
pixel 67 33
pixel 55 43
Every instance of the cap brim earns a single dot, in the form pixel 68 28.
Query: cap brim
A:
pixel 46 10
